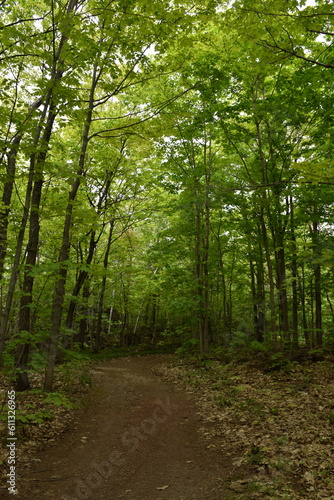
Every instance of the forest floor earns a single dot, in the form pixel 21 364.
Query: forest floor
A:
pixel 159 428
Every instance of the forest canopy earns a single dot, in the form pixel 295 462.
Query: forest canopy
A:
pixel 166 175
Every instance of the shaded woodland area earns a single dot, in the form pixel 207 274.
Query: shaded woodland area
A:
pixel 166 177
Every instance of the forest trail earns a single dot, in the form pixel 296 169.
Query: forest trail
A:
pixel 135 438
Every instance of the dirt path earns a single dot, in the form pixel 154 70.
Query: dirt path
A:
pixel 136 438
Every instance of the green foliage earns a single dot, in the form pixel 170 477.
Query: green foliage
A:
pixel 188 348
pixel 58 399
pixel 36 417
pixel 37 361
pixel 222 401
pixel 331 418
pixel 30 415
pixel 258 346
pixel 75 356
pixel 70 373
pixel 256 455
pixel 277 360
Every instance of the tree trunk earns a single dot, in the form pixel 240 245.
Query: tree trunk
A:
pixel 317 284
pixel 205 267
pixel 312 329
pixel 154 317
pixel 22 230
pixel 77 289
pixel 260 298
pixel 6 199
pixel 282 295
pixel 223 283
pixel 273 326
pixel 303 303
pixel 294 270
pixel 37 171
pixel 83 324
pixel 21 358
pixel 332 311
pixel 254 298
pixel 103 288
pixel 10 178
pixel 65 250
pixel 278 228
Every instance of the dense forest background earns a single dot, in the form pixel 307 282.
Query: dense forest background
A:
pixel 166 176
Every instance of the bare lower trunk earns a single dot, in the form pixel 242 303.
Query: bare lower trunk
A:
pixel 294 270
pixel 83 324
pixel 103 288
pixel 273 326
pixel 317 284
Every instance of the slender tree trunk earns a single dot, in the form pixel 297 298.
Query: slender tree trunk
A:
pixel 6 199
pixel 22 230
pixel 223 283
pixel 295 340
pixel 281 286
pixel 111 312
pixel 14 274
pixel 21 359
pixel 260 298
pixel 77 289
pixel 147 318
pixel 83 324
pixel 206 243
pixel 36 171
pixel 264 204
pixel 317 284
pixel 312 329
pixel 303 303
pixel 123 340
pixel 103 287
pixel 65 250
pixel 154 317
pixel 9 181
pixel 273 326
pixel 278 233
pixel 331 309
pixel 198 271
pixel 254 298
pixel 124 327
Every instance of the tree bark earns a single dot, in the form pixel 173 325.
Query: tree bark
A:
pixel 21 358
pixel 59 293
pixel 294 271
pixel 260 298
pixel 303 303
pixel 254 298
pixel 37 163
pixel 6 199
pixel 77 288
pixel 23 225
pixel 272 306
pixel 103 287
pixel 317 284
pixel 83 324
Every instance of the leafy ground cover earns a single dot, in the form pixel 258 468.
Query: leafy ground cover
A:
pixel 279 424
pixel 42 417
